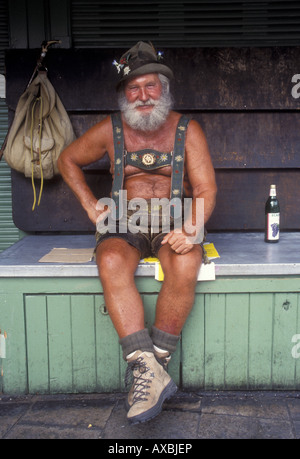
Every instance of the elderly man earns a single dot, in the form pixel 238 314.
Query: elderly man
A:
pixel 154 153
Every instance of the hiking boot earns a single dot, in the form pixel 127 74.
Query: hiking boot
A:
pixel 151 387
pixel 163 357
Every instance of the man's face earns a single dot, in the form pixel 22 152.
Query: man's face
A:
pixel 142 90
pixel 145 102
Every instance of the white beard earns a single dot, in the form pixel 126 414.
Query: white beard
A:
pixel 146 121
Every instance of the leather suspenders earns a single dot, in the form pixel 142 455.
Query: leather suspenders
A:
pixel 177 159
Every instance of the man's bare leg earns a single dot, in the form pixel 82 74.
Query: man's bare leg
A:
pixel 117 262
pixel 176 298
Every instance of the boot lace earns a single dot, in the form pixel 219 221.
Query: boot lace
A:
pixel 137 372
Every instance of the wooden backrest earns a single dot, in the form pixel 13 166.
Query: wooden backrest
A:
pixel 242 98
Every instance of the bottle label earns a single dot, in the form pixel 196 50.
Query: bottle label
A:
pixel 273 221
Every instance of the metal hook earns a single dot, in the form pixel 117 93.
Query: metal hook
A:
pixel 45 45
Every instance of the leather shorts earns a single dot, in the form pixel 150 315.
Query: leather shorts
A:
pixel 144 233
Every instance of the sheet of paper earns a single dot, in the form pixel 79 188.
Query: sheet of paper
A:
pixel 211 250
pixel 207 272
pixel 63 255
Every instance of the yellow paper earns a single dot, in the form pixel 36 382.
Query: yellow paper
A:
pixel 211 250
pixel 150 260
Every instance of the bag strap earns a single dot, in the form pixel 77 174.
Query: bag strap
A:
pixel 40 100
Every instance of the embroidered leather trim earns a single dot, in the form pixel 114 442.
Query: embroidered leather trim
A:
pixel 148 159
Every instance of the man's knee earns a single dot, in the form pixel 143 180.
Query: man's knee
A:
pixel 183 269
pixel 115 256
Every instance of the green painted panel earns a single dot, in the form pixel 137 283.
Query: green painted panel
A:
pixel 285 327
pixel 37 344
pixel 108 354
pixel 83 342
pixel 91 285
pixel 71 344
pixel 13 375
pixel 236 340
pixel 295 347
pixel 60 343
pixel 214 340
pixel 193 346
pixel 260 340
pixel 248 340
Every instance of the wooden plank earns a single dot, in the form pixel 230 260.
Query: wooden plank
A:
pixel 61 285
pixel 234 78
pixel 214 341
pixel 240 201
pixel 59 210
pixel 205 78
pixel 236 340
pixel 285 322
pixel 260 341
pixel 193 346
pixel 37 344
pixel 296 346
pixel 237 140
pixel 60 344
pixel 83 343
pixel 108 353
pixel 252 140
pixel 242 195
pixel 13 368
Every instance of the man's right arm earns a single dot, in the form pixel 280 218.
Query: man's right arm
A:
pixel 87 149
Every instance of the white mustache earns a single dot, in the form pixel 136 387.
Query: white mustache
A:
pixel 141 104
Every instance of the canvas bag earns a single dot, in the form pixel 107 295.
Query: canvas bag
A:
pixel 40 131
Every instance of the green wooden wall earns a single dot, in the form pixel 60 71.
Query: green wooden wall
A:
pixel 243 333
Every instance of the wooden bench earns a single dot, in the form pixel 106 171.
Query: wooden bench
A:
pixel 244 330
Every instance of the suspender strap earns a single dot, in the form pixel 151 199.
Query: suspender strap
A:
pixel 178 161
pixel 118 159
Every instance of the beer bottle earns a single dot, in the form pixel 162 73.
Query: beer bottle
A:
pixel 272 217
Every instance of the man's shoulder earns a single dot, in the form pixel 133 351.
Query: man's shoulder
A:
pixel 177 116
pixel 103 126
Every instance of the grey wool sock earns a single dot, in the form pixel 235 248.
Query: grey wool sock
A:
pixel 164 340
pixel 139 340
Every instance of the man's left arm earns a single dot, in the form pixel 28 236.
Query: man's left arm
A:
pixel 201 176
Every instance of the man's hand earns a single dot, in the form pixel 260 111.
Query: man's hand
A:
pixel 97 213
pixel 178 241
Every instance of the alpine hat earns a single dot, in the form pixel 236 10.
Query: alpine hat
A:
pixel 141 59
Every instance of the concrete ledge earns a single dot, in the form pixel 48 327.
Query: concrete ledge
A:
pixel 241 254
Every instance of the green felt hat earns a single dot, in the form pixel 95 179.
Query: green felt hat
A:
pixel 140 60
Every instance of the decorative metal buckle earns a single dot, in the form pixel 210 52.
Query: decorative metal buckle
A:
pixel 148 159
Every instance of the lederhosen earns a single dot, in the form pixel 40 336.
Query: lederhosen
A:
pixel 149 159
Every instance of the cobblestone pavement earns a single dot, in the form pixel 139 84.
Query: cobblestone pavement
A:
pixel 187 416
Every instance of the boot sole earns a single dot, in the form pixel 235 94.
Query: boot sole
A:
pixel 167 393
